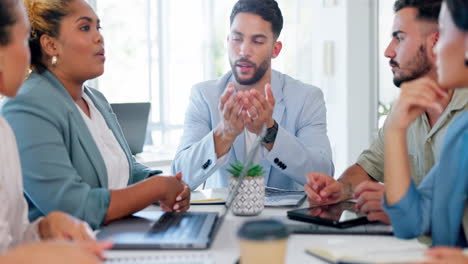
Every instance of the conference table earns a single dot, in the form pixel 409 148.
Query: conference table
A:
pixel 225 248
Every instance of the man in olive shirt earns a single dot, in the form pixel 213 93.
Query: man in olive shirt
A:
pixel 415 33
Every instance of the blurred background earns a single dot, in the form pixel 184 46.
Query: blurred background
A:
pixel 157 49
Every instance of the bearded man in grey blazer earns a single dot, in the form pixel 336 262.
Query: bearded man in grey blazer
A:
pixel 225 116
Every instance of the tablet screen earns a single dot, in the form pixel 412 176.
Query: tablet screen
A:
pixel 340 215
pixel 339 212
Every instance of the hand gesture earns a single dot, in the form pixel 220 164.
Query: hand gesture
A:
pixel 416 97
pixel 57 252
pixel 445 255
pixel 259 110
pixel 369 197
pixel 174 188
pixel 183 199
pixel 231 109
pixel 58 225
pixel 322 189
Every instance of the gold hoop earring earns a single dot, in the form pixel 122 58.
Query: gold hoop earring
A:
pixel 54 61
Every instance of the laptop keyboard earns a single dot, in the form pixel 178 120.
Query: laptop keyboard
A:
pixel 202 258
pixel 177 226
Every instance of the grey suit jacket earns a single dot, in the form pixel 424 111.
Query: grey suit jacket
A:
pixel 301 144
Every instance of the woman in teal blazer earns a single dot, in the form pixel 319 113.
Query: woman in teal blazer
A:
pixel 22 241
pixel 62 166
pixel 439 204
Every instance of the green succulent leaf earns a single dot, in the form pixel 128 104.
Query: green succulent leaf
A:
pixel 254 170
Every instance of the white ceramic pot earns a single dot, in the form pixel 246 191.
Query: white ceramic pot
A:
pixel 251 197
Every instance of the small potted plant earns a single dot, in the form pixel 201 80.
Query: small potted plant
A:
pixel 251 197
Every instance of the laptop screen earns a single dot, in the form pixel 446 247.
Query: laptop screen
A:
pixel 133 120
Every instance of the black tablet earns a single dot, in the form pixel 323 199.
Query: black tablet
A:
pixel 341 215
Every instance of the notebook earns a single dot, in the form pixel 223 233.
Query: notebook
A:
pixel 393 251
pixel 133 119
pixel 209 196
pixel 168 230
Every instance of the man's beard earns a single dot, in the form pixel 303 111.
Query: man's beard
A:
pixel 259 72
pixel 418 67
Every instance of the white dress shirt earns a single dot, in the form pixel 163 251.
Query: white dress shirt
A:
pixel 249 144
pixel 118 170
pixel 14 224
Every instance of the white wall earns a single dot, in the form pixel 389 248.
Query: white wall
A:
pixel 347 29
pixel 336 52
pixel 362 74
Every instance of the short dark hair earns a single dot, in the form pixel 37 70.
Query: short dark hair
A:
pixel 267 9
pixel 459 11
pixel 428 10
pixel 7 20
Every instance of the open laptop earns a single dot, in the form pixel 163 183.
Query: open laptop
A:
pixel 161 230
pixel 133 119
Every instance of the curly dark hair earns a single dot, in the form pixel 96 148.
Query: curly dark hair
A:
pixel 267 9
pixel 428 10
pixel 7 20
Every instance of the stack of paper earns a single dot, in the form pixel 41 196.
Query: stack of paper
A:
pixel 393 251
